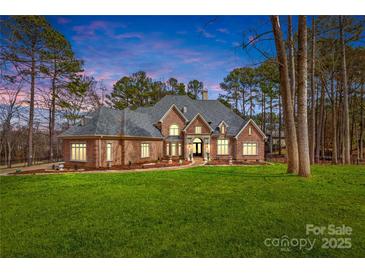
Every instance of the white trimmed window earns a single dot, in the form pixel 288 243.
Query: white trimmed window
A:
pixel 174 130
pixel 109 152
pixel 249 148
pixel 167 149
pixel 180 150
pixel 145 150
pixel 249 130
pixel 223 129
pixel 78 152
pixel 173 149
pixel 222 147
pixel 198 130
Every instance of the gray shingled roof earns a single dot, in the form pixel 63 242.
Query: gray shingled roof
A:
pixel 212 111
pixel 111 122
pixel 140 122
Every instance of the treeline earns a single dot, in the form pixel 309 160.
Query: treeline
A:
pixel 312 89
pixel 42 83
pixel 254 92
pixel 140 90
pixel 321 68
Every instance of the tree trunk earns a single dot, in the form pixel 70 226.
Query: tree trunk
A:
pixel 52 118
pixel 334 123
pixel 290 130
pixel 312 134
pixel 303 146
pixel 291 59
pixel 9 154
pixel 243 104
pixel 263 113
pixel 271 124
pixel 362 122
pixel 320 124
pixel 251 104
pixel 346 122
pixel 280 125
pixel 31 111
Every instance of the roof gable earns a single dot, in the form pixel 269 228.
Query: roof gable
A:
pixel 195 118
pixel 255 125
pixel 173 107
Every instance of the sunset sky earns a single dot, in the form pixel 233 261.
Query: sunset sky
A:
pixel 185 47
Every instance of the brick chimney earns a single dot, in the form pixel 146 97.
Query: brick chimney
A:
pixel 205 94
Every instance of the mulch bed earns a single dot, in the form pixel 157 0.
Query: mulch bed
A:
pixel 124 167
pixel 226 162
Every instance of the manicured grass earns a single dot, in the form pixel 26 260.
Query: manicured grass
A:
pixel 197 212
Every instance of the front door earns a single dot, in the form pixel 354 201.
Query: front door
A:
pixel 197 147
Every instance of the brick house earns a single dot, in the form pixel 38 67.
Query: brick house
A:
pixel 176 127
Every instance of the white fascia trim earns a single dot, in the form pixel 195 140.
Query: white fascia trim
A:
pixel 223 122
pixel 255 125
pixel 178 110
pixel 192 120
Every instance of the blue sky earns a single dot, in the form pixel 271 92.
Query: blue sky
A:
pixel 185 47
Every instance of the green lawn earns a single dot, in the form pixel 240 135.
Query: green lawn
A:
pixel 196 212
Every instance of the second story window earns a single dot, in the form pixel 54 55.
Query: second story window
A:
pixel 223 129
pixel 198 130
pixel 174 130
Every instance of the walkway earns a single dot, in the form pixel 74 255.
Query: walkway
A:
pixel 5 172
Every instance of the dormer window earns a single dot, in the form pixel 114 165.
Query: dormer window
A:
pixel 249 130
pixel 174 130
pixel 223 129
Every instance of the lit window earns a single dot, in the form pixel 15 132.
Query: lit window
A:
pixel 174 130
pixel 78 152
pixel 249 148
pixel 222 147
pixel 173 149
pixel 109 152
pixel 145 150
pixel 180 150
pixel 198 130
pixel 249 130
pixel 167 149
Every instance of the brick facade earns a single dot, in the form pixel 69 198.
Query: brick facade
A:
pixel 198 122
pixel 127 150
pixel 255 137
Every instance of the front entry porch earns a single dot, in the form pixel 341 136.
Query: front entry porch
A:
pixel 197 146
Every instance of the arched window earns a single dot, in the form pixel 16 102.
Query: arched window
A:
pixel 174 130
